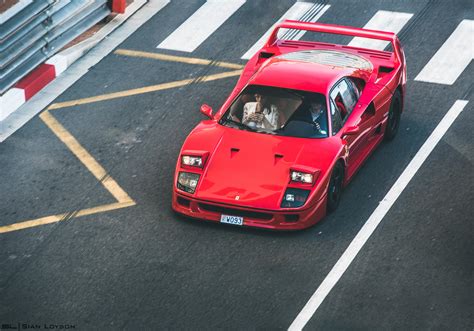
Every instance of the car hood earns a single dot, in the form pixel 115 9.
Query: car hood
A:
pixel 252 169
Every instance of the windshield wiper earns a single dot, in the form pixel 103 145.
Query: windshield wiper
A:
pixel 266 132
pixel 238 124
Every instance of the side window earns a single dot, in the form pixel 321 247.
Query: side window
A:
pixel 336 119
pixel 355 87
pixel 348 96
pixel 344 99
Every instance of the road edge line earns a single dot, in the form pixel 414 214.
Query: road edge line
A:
pixel 376 217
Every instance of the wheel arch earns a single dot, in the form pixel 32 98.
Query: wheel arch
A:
pixel 400 90
pixel 343 162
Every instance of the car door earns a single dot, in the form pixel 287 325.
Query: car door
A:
pixel 344 98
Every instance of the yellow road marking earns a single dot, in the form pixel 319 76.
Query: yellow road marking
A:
pixel 61 217
pixel 103 208
pixel 80 152
pixel 142 90
pixel 173 58
pixel 124 200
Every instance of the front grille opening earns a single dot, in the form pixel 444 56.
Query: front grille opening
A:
pixel 184 202
pixel 236 212
pixel 292 218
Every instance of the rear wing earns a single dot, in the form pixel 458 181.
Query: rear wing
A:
pixel 341 30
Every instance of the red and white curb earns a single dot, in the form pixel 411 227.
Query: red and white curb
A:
pixel 31 84
pixel 44 74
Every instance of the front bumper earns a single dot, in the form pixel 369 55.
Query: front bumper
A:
pixel 269 219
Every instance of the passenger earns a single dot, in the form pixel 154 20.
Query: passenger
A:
pixel 259 114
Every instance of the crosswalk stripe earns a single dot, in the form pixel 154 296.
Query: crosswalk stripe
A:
pixel 303 11
pixel 452 58
pixel 391 21
pixel 199 26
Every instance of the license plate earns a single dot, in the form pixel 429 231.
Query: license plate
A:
pixel 234 220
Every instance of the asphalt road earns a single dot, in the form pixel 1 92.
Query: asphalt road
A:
pixel 143 267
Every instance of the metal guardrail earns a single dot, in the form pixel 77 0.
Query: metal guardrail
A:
pixel 40 30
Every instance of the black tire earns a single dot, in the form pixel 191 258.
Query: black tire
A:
pixel 394 115
pixel 335 187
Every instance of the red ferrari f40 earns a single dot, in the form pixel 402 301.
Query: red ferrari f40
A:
pixel 303 117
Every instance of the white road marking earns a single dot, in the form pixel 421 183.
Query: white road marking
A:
pixel 383 20
pixel 452 58
pixel 374 220
pixel 199 26
pixel 302 11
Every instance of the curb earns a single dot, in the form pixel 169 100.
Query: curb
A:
pixel 45 73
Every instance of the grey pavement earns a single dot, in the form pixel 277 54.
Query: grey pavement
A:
pixel 143 267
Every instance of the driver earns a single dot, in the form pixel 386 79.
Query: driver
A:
pixel 314 113
pixel 260 114
pixel 317 113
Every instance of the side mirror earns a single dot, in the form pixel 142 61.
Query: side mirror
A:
pixel 351 131
pixel 207 110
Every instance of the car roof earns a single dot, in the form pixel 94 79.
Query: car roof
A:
pixel 311 70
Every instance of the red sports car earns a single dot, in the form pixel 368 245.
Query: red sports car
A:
pixel 301 120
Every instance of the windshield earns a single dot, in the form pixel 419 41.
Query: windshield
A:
pixel 278 111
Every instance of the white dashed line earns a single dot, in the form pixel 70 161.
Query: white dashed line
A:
pixel 301 11
pixel 374 220
pixel 199 26
pixel 383 20
pixel 452 58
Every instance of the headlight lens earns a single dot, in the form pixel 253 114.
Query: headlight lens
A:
pixel 187 181
pixel 302 177
pixel 294 198
pixel 192 161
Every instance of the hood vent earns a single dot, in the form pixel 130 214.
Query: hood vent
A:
pixel 278 157
pixel 234 151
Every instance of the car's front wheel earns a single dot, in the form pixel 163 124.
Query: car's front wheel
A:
pixel 335 187
pixel 394 116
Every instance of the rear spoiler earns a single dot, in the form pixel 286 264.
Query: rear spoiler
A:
pixel 338 29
